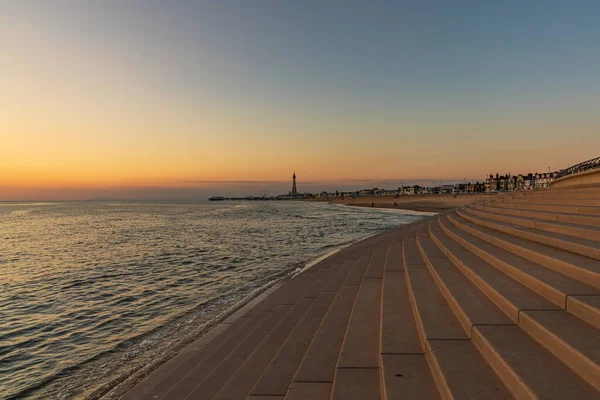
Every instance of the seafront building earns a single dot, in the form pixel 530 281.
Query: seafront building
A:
pixel 509 182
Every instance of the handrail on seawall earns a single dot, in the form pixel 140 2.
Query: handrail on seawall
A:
pixel 581 167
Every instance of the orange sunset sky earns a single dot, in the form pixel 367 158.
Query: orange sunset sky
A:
pixel 143 101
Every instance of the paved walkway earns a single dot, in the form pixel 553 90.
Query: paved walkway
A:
pixel 492 301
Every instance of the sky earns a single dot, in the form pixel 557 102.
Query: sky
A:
pixel 182 100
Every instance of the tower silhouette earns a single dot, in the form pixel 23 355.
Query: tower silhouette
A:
pixel 294 191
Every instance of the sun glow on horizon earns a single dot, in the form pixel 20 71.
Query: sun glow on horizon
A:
pixel 98 98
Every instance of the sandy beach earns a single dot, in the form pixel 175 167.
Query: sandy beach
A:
pixel 424 203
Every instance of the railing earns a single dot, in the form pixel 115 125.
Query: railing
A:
pixel 581 167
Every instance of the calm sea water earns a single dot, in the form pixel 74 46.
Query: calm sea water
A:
pixel 91 291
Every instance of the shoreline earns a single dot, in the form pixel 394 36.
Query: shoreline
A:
pixel 121 385
pixel 136 384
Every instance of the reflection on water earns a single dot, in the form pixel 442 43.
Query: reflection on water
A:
pixel 90 291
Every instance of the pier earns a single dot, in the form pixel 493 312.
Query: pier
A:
pixel 495 300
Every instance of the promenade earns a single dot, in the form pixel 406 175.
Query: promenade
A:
pixel 498 299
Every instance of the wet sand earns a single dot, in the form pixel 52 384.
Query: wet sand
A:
pixel 424 203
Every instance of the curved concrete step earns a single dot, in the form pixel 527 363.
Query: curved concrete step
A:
pixel 592 211
pixel 263 374
pixel 570 218
pixel 579 267
pixel 315 374
pixel 209 356
pixel 164 378
pixel 281 313
pixel 549 283
pixel 571 244
pixel 573 341
pixel 405 370
pixel 563 228
pixel 510 295
pixel 459 369
pixel 589 194
pixel 580 189
pixel 568 202
pixel 469 304
pixel 235 376
pixel 528 370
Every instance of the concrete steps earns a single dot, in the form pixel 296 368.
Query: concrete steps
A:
pixel 494 301
pixel 564 228
pixel 450 353
pixel 558 208
pixel 576 266
pixel 588 248
pixel 571 202
pixel 545 322
pixel 573 218
pixel 554 286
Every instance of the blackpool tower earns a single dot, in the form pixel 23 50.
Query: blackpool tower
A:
pixel 294 191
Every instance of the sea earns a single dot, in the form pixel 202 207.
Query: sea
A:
pixel 90 292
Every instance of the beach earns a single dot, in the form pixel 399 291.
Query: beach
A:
pixel 424 203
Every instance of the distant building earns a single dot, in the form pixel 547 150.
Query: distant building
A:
pixel 544 180
pixel 447 189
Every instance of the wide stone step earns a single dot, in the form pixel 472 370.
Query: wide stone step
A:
pixel 569 202
pixel 227 359
pixel 282 312
pixel 527 368
pixel 573 341
pixel 586 308
pixel 237 374
pixel 463 372
pixel 434 315
pixel 280 370
pixel 572 244
pixel 572 218
pixel 508 294
pixel 166 376
pixel 572 346
pixel 564 228
pixel 358 373
pixel 470 305
pixel 588 188
pixel 315 374
pixel 458 368
pixel 407 376
pixel 590 194
pixel 593 211
pixel 579 267
pixel 549 283
pixel 405 371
